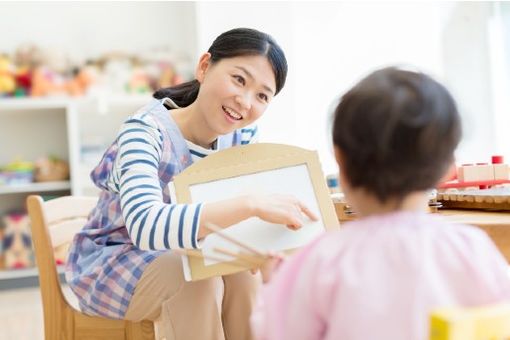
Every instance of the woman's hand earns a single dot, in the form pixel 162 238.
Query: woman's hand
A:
pixel 281 209
pixel 273 208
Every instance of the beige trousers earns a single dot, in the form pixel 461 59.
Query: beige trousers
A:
pixel 193 310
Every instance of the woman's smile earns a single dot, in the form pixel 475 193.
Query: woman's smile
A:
pixel 232 115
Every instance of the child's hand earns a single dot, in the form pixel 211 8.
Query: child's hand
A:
pixel 282 209
pixel 269 267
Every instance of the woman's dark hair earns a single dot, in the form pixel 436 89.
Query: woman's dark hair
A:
pixel 397 131
pixel 233 43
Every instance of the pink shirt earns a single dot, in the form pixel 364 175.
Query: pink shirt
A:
pixel 379 278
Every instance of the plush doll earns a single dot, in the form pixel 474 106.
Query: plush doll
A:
pixel 17 242
pixel 23 78
pixel 51 169
pixel 139 82
pixel 48 75
pixel 25 59
pixel 82 79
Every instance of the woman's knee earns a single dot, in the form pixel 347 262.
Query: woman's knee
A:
pixel 244 281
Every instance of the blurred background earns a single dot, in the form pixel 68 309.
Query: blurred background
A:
pixel 70 72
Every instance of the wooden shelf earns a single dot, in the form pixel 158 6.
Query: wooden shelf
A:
pixel 35 187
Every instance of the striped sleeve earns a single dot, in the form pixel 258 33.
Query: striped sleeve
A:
pixel 249 135
pixel 151 223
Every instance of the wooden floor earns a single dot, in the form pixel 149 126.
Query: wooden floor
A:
pixel 21 315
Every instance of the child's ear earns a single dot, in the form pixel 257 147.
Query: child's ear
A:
pixel 203 65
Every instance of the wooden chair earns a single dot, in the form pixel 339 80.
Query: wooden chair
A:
pixel 54 223
pixel 480 323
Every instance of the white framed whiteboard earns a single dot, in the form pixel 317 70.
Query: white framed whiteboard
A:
pixel 258 168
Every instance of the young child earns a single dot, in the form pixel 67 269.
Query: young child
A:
pixel 379 277
pixel 120 265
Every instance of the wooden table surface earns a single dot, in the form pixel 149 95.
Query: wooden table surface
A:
pixel 495 224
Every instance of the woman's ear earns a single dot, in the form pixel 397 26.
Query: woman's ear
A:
pixel 203 64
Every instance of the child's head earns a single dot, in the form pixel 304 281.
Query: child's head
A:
pixel 238 42
pixel 395 133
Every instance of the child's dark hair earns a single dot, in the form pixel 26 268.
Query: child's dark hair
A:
pixel 397 131
pixel 234 43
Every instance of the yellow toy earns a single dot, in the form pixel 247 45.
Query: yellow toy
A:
pixel 7 81
pixel 480 323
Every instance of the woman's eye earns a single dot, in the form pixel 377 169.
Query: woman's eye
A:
pixel 239 79
pixel 263 97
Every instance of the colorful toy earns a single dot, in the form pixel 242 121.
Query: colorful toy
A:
pixel 51 169
pixel 17 172
pixel 139 82
pixel 17 243
pixel 480 175
pixel 23 78
pixel 7 81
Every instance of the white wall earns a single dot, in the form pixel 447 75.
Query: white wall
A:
pixel 338 43
pixel 331 45
pixel 85 29
pixel 499 43
pixel 467 72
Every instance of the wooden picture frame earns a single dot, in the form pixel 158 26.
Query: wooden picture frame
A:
pixel 258 167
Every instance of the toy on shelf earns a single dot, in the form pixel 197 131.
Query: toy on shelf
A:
pixel 17 243
pixel 481 175
pixel 7 81
pixel 17 172
pixel 44 71
pixel 25 63
pixel 478 186
pixel 139 81
pixel 491 199
pixel 51 169
pixel 333 183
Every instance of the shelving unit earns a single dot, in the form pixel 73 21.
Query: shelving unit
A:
pixel 77 130
pixel 20 278
pixel 35 187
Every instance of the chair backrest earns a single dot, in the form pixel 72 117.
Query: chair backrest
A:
pixel 54 223
pixel 476 323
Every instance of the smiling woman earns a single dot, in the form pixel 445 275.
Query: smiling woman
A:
pixel 233 93
pixel 121 264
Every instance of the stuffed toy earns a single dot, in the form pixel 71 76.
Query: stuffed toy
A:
pixel 17 243
pixel 51 169
pixel 7 81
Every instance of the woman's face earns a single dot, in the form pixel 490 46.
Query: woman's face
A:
pixel 234 92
